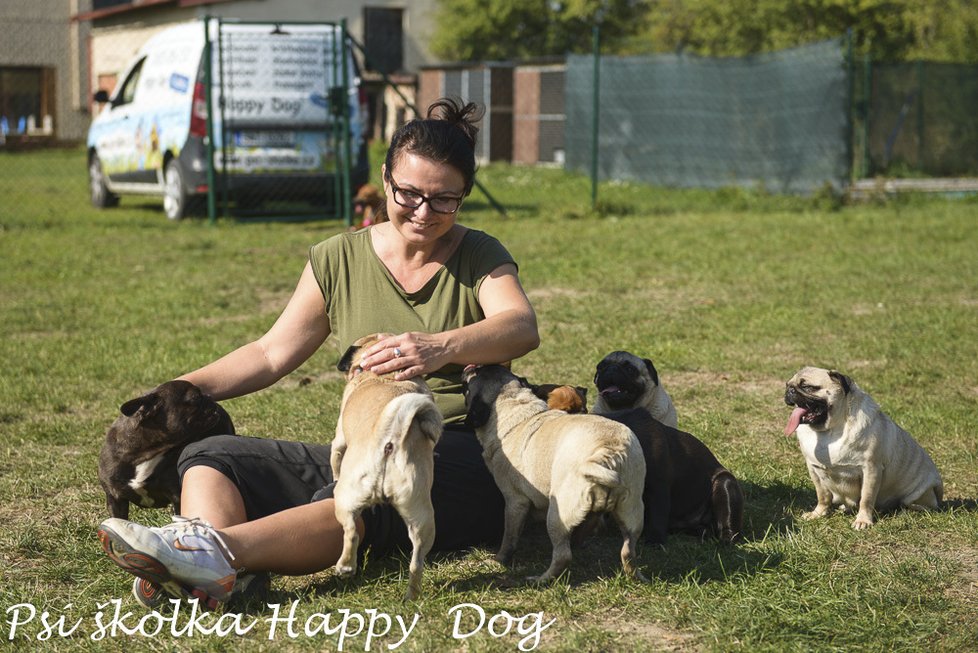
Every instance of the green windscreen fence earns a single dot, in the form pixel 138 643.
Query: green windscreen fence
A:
pixel 778 121
pixel 920 119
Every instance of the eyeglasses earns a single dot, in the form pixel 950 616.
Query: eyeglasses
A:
pixel 413 200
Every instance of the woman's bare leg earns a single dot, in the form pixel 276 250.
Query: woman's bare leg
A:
pixel 300 540
pixel 210 495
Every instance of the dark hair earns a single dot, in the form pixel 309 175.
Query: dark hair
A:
pixel 446 135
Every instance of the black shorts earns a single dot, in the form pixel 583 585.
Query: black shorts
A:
pixel 274 475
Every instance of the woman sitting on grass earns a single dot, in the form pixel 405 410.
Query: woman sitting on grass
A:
pixel 452 295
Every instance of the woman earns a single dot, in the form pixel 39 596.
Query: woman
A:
pixel 451 295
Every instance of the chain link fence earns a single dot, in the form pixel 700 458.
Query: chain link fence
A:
pixel 779 120
pixel 793 121
pixel 916 119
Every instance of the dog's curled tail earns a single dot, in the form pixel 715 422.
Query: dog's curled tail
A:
pixel 411 409
pixel 606 487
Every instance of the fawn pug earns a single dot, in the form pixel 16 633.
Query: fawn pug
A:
pixel 383 452
pixel 857 457
pixel 550 463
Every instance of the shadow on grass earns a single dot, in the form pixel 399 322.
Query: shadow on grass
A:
pixel 953 505
pixel 767 515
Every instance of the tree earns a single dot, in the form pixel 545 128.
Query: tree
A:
pixel 481 30
pixel 889 30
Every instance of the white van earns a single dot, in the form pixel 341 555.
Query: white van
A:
pixel 277 102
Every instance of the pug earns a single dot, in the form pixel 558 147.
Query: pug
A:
pixel 549 463
pixel 138 460
pixel 568 398
pixel 687 490
pixel 624 380
pixel 383 452
pixel 857 457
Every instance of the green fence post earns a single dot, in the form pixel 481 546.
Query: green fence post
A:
pixel 851 127
pixel 867 102
pixel 920 115
pixel 345 121
pixel 225 181
pixel 211 208
pixel 334 135
pixel 596 44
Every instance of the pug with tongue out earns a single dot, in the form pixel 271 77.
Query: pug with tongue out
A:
pixel 857 457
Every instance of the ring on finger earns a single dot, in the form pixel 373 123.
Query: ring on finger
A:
pixel 397 352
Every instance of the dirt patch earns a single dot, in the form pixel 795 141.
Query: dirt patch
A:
pixel 552 292
pixel 641 635
pixel 966 589
pixel 760 386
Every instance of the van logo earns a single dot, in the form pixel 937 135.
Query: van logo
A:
pixel 245 107
pixel 286 106
pixel 319 100
pixel 179 83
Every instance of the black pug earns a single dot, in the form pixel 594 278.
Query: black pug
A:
pixel 138 461
pixel 686 489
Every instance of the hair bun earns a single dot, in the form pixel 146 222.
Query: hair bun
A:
pixel 462 115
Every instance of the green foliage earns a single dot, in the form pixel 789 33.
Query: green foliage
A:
pixel 476 30
pixel 889 30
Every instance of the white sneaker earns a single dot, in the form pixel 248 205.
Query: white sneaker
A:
pixel 186 558
pixel 247 586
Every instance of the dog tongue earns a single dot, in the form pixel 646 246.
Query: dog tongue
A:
pixel 611 389
pixel 794 420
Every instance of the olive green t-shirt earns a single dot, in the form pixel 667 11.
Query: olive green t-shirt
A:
pixel 363 298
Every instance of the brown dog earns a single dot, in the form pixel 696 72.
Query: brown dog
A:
pixel 568 398
pixel 138 461
pixel 370 206
pixel 383 452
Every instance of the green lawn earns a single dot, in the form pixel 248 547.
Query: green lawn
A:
pixel 729 293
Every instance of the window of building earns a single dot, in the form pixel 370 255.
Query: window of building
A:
pixel 383 39
pixel 106 4
pixel 26 101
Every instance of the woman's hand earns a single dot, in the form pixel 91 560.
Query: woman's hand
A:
pixel 408 354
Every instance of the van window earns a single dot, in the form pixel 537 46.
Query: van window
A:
pixel 128 90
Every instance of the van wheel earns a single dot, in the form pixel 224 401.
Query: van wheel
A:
pixel 175 199
pixel 101 197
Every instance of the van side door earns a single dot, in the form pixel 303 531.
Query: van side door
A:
pixel 120 134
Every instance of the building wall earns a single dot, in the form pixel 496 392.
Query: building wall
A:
pixel 526 108
pixel 538 114
pixel 40 34
pixel 524 103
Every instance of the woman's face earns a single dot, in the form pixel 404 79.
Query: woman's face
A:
pixel 415 176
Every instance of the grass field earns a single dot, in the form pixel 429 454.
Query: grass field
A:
pixel 728 292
